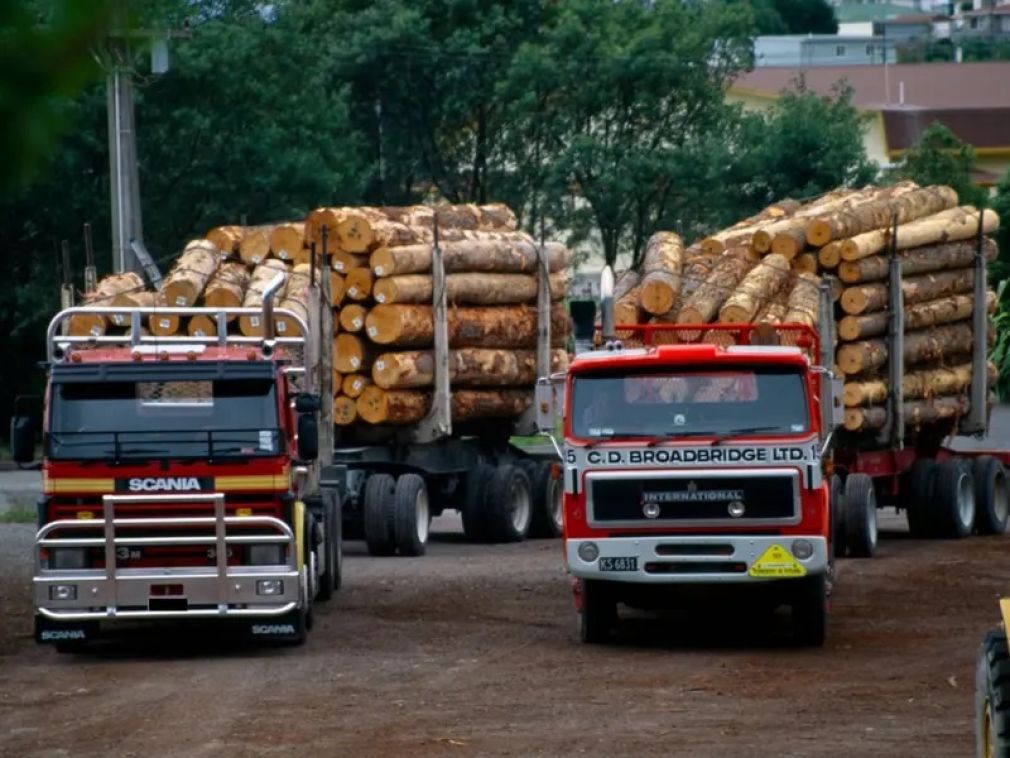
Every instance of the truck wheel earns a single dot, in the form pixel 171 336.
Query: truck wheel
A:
pixel 992 507
pixel 475 526
pixel 379 507
pixel 837 506
pixel 860 516
pixel 810 611
pixel 546 520
pixel 598 612
pixel 992 696
pixel 412 515
pixel 920 484
pixel 508 504
pixel 953 503
pixel 329 580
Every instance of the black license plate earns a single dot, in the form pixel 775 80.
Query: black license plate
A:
pixel 618 564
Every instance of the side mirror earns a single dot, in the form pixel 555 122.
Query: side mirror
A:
pixel 308 437
pixel 307 403
pixel 22 439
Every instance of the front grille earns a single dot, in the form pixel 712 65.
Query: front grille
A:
pixel 646 499
pixel 698 567
pixel 689 549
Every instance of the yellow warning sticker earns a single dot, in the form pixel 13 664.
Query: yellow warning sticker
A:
pixel 776 562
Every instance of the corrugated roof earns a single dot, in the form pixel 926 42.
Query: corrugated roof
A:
pixel 958 86
pixel 999 10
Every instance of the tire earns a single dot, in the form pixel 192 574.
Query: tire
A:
pixel 475 526
pixel 508 504
pixel 810 612
pixel 919 486
pixel 379 507
pixel 992 498
pixel 329 579
pixel 412 515
pixel 308 571
pixel 953 505
pixel 992 696
pixel 836 504
pixel 860 516
pixel 546 522
pixel 598 613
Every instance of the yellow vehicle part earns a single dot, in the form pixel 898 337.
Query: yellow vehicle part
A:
pixel 299 516
pixel 1004 609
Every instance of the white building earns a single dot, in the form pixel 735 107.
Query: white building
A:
pixel 822 50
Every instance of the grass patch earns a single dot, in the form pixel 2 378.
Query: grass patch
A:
pixel 19 514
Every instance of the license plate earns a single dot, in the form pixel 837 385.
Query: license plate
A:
pixel 618 564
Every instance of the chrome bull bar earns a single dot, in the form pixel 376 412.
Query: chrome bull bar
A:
pixel 115 593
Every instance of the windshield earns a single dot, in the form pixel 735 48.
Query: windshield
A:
pixel 164 419
pixel 689 402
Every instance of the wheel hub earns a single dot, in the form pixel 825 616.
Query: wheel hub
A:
pixel 519 507
pixel 965 500
pixel 421 514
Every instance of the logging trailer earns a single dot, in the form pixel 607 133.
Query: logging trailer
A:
pixel 725 467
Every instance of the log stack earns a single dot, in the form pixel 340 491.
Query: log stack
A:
pixel 769 269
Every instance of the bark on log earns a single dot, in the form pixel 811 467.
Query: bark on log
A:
pixel 866 298
pixel 920 260
pixel 352 318
pixel 255 245
pixel 920 316
pixel 353 385
pixel 946 226
pixel 106 293
pixel 499 256
pixel 740 233
pixel 935 344
pixel 131 299
pixel 795 225
pixel 755 289
pixel 917 385
pixel 909 204
pixel 287 240
pixel 345 410
pixel 350 353
pixel 790 243
pixel 804 301
pixel 510 327
pixel 628 310
pixel 704 303
pixel 187 278
pixel 662 267
pixel 296 300
pixel 226 239
pixel 916 413
pixel 262 275
pixel 378 406
pixel 226 289
pixel 475 367
pixel 468 289
pixel 358 284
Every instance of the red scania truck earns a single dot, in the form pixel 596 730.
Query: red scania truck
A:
pixel 181 478
pixel 694 465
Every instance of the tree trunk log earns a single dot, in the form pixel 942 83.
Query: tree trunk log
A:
pixel 108 290
pixel 476 367
pixel 226 289
pixel 336 289
pixel 931 313
pixel 830 256
pixel 946 226
pixel 917 385
pixel 468 289
pixel 255 245
pixel 190 274
pixel 507 327
pixel 226 239
pixel 916 412
pixel 353 385
pixel 287 240
pixel 378 406
pixel 262 275
pixel 790 243
pixel 351 354
pixel 764 237
pixel 163 324
pixel 703 304
pixel 344 262
pixel 358 284
pixel 498 256
pixel 742 232
pixel 804 301
pixel 754 290
pixel 920 260
pixel 296 300
pixel 352 318
pixel 864 298
pixel 662 267
pixel 345 410
pixel 805 264
pixel 909 204
pixel 131 299
pixel 201 326
pixel 935 344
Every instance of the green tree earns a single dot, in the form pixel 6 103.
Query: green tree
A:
pixel 1000 270
pixel 794 17
pixel 939 157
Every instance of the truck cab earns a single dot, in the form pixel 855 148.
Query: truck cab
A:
pixel 691 465
pixel 177 485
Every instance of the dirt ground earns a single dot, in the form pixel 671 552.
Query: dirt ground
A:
pixel 471 651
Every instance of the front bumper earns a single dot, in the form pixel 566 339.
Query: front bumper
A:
pixel 671 559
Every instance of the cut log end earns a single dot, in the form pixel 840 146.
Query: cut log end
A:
pixel 163 324
pixel 345 410
pixel 201 326
pixel 352 317
pixel 830 255
pixel 818 232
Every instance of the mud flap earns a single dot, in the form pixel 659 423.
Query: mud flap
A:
pixel 289 629
pixel 65 633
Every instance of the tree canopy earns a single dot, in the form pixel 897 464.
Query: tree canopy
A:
pixel 939 157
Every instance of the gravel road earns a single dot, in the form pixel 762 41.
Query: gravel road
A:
pixel 471 651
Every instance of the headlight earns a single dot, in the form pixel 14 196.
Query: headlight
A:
pixel 68 558
pixel 63 592
pixel 265 555
pixel 589 552
pixel 802 549
pixel 270 587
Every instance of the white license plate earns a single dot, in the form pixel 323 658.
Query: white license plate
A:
pixel 619 564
